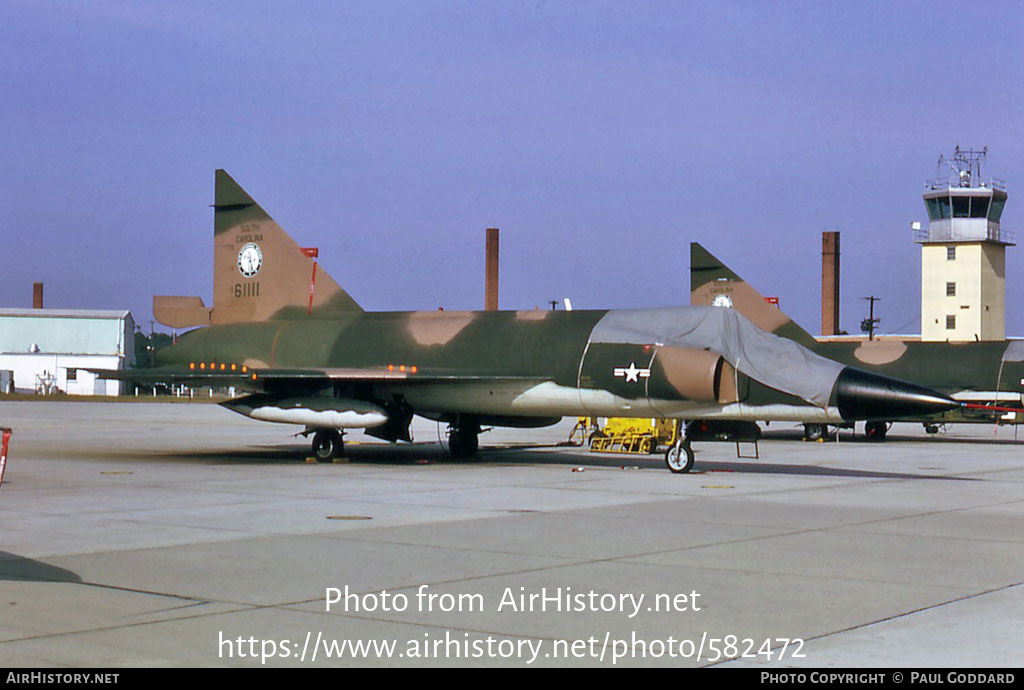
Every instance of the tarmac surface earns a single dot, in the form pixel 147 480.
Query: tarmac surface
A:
pixel 184 535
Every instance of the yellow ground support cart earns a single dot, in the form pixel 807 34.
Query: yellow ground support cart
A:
pixel 624 434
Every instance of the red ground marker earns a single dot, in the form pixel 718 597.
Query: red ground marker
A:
pixel 3 453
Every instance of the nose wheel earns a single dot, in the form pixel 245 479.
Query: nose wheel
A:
pixel 679 457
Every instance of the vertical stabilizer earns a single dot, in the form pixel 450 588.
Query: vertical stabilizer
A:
pixel 259 271
pixel 712 283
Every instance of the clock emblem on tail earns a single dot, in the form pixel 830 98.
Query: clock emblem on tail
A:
pixel 250 258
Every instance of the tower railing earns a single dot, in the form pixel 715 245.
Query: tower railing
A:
pixel 947 183
pixel 993 235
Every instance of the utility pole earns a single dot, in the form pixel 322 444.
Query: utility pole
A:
pixel 868 324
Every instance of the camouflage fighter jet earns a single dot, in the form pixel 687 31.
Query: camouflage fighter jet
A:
pixel 987 377
pixel 281 329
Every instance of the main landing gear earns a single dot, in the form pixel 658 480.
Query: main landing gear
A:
pixel 875 431
pixel 815 432
pixel 327 445
pixel 463 438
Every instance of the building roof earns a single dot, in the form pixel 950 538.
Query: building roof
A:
pixel 66 313
pixel 66 331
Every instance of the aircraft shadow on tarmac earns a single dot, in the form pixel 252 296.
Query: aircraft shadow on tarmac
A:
pixel 847 436
pixel 19 569
pixel 762 466
pixel 433 453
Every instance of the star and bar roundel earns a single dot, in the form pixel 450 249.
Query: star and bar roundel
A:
pixel 633 373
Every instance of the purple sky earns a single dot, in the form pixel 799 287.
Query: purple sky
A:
pixel 601 137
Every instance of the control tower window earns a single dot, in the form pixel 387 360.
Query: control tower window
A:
pixel 996 208
pixel 943 207
pixel 961 207
pixel 979 207
pixel 933 208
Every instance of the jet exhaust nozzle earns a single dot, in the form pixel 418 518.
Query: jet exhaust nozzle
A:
pixel 862 395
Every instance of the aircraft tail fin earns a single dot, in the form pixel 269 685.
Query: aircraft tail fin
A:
pixel 714 283
pixel 259 271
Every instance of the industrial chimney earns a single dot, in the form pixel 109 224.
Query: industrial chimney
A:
pixel 37 295
pixel 491 279
pixel 830 283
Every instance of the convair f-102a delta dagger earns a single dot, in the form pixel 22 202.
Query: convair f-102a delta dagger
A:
pixel 305 353
pixel 986 377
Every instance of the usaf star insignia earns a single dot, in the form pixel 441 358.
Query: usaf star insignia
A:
pixel 632 373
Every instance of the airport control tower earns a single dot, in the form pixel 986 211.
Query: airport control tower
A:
pixel 963 253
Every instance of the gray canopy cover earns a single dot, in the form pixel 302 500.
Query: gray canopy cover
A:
pixel 776 362
pixel 1014 351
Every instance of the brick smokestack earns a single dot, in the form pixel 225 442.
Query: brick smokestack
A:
pixel 830 283
pixel 37 295
pixel 491 279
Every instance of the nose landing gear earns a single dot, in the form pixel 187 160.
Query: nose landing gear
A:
pixel 679 457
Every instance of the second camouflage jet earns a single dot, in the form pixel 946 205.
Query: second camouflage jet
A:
pixel 986 377
pixel 283 330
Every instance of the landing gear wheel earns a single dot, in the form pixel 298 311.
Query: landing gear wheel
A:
pixel 875 431
pixel 814 432
pixel 679 458
pixel 463 443
pixel 327 445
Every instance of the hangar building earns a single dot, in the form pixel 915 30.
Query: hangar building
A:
pixel 47 350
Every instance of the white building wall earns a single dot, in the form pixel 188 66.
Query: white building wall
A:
pixel 978 305
pixel 29 369
pixel 54 347
pixel 993 292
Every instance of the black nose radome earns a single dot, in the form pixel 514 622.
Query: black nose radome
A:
pixel 862 395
